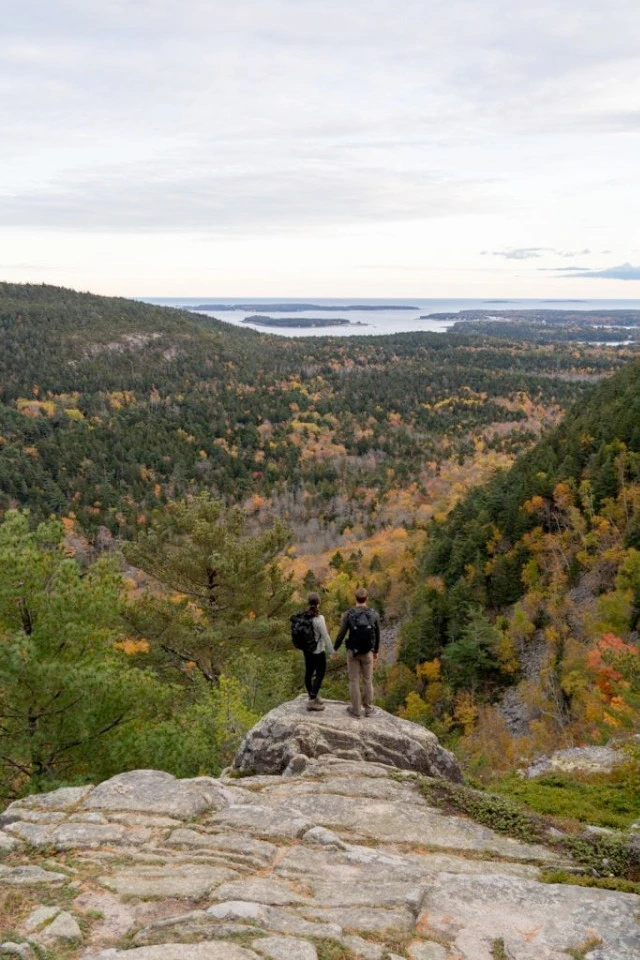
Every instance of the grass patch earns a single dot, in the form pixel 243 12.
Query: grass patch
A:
pixel 16 903
pixel 580 952
pixel 330 950
pixel 585 880
pixel 604 800
pixel 58 952
pixel 492 810
pixel 56 897
pixel 498 949
pixel 604 856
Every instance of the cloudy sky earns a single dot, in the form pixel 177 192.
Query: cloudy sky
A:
pixel 312 147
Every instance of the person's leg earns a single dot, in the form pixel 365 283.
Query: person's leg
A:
pixel 315 666
pixel 353 672
pixel 319 670
pixel 309 668
pixel 366 665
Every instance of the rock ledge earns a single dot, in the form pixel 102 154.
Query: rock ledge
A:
pixel 345 859
pixel 284 740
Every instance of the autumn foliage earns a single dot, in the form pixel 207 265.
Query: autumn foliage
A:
pixel 531 588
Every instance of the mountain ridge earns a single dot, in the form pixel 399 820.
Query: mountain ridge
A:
pixel 533 580
pixel 95 393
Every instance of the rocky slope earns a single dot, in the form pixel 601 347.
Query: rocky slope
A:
pixel 344 860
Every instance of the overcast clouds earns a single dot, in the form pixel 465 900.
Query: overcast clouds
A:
pixel 455 148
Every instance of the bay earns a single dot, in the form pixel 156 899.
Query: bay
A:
pixel 369 316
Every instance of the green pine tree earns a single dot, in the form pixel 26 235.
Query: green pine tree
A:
pixel 66 691
pixel 227 594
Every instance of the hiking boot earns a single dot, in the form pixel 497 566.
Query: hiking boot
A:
pixel 315 705
pixel 319 699
pixel 352 713
pixel 369 711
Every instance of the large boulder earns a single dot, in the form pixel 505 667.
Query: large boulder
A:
pixel 587 760
pixel 290 735
pixel 154 791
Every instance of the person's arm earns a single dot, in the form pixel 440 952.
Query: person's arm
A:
pixel 376 635
pixel 327 646
pixel 342 632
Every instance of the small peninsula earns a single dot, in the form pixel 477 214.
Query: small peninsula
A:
pixel 301 322
pixel 299 307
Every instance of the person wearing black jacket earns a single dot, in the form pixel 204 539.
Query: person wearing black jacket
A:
pixel 361 627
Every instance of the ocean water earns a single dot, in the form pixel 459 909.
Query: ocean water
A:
pixel 390 316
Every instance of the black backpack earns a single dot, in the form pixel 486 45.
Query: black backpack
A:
pixel 303 635
pixel 361 630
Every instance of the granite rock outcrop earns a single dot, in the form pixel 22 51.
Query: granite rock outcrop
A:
pixel 343 859
pixel 286 738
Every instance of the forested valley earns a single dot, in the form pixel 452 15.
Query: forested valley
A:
pixel 171 486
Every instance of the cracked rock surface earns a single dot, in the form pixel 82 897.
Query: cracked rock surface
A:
pixel 342 861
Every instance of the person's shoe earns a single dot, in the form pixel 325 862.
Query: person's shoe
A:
pixel 369 711
pixel 353 713
pixel 315 705
pixel 319 699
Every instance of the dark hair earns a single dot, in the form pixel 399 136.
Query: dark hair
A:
pixel 314 601
pixel 361 594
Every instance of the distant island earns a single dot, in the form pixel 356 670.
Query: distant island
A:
pixel 299 307
pixel 263 321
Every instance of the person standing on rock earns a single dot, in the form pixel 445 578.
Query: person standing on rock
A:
pixel 361 626
pixel 315 660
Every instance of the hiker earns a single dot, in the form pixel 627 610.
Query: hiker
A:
pixel 362 624
pixel 315 648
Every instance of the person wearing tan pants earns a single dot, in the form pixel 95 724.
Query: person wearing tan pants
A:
pixel 360 665
pixel 361 626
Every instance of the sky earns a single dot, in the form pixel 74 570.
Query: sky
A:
pixel 433 148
